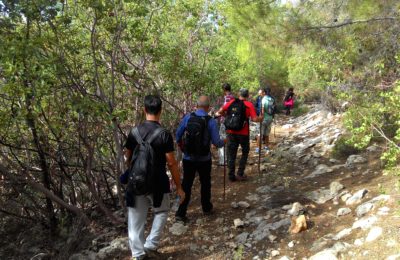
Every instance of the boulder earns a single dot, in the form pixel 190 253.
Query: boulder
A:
pixel 335 187
pixel 374 233
pixel 238 223
pixel 178 229
pixel 343 211
pixel 117 247
pixel 241 238
pixel 295 209
pixel 319 170
pixel 354 159
pixel 357 197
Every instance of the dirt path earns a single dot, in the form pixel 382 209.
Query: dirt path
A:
pixel 299 169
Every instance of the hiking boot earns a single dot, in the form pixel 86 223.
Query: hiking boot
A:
pixel 241 178
pixel 182 219
pixel 209 212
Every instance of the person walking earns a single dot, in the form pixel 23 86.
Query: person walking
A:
pixel 288 100
pixel 267 113
pixel 161 142
pixel 228 96
pixel 258 104
pixel 195 134
pixel 238 112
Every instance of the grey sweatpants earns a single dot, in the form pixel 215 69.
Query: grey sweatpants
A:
pixel 137 219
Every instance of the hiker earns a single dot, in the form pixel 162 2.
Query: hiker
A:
pixel 238 112
pixel 267 113
pixel 228 96
pixel 257 104
pixel 288 101
pixel 157 182
pixel 195 134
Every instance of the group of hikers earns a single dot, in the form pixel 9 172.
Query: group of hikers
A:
pixel 150 148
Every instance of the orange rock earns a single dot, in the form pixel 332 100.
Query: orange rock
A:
pixel 298 224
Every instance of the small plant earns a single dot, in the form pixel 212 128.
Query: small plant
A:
pixel 381 189
pixel 343 149
pixel 239 253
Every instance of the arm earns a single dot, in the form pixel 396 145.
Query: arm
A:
pixel 253 114
pixel 173 167
pixel 181 128
pixel 215 139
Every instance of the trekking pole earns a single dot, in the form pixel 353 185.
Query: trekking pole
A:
pixel 259 150
pixel 274 130
pixel 224 171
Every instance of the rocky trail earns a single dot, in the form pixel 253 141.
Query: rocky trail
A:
pixel 304 205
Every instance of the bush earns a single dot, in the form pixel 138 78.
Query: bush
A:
pixel 343 149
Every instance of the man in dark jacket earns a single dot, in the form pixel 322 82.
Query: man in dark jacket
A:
pixel 138 205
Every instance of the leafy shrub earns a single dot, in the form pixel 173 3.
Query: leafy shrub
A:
pixel 343 148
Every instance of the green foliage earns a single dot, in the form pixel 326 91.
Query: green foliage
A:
pixel 343 148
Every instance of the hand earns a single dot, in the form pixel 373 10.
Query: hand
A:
pixel 181 195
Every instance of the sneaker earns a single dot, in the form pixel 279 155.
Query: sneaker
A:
pixel 257 150
pixel 209 212
pixel 152 253
pixel 266 148
pixel 142 257
pixel 181 219
pixel 232 178
pixel 241 178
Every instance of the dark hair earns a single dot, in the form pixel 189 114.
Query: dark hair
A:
pixel 243 92
pixel 226 87
pixel 267 91
pixel 152 104
pixel 291 89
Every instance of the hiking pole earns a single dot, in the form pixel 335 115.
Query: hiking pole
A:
pixel 259 150
pixel 224 171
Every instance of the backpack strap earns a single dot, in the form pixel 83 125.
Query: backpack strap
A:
pixel 137 136
pixel 156 132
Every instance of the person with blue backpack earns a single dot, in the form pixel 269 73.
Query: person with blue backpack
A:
pixel 268 110
pixel 195 134
pixel 148 149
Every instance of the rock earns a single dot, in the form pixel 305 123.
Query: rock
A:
pixel 199 221
pixel 320 196
pixel 117 247
pixel 261 232
pixel 357 197
pixel 178 229
pixel 279 224
pixel 383 211
pixel 374 233
pixel 319 244
pixel 335 187
pixel 324 255
pixel 275 253
pixel 86 255
pixel 343 211
pixel 345 197
pixel 241 239
pixel 193 247
pixel 296 208
pixel 250 214
pixel 372 149
pixel 219 221
pixel 354 159
pixel 252 197
pixel 364 208
pixel 291 244
pixel 344 233
pixel 365 223
pixel 272 238
pixel 319 170
pixel 287 207
pixel 234 205
pixel 238 223
pixel 243 204
pixel 393 257
pixel 298 224
pixel 284 258
pixel 358 242
pixel 263 189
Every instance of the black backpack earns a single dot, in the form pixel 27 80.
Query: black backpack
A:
pixel 141 172
pixel 196 139
pixel 236 115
